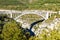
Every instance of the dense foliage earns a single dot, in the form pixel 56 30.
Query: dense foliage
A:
pixel 11 30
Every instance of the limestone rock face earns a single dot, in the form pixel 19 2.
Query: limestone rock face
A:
pixel 46 26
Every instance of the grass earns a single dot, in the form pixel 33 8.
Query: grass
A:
pixel 30 18
pixel 24 4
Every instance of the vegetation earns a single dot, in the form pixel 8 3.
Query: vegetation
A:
pixel 30 18
pixel 53 16
pixel 30 4
pixel 48 34
pixel 10 29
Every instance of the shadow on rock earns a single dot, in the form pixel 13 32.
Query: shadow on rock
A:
pixel 34 23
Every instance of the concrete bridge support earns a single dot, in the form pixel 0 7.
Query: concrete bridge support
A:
pixel 47 15
pixel 11 15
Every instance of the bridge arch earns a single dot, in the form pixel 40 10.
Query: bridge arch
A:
pixel 27 22
pixel 39 14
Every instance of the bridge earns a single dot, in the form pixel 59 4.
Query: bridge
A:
pixel 17 14
pixel 44 14
pixel 34 12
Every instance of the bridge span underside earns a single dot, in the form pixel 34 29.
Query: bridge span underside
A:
pixel 43 14
pixel 28 19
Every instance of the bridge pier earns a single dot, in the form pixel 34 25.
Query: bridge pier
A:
pixel 11 15
pixel 47 15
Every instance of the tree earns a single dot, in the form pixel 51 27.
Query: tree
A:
pixel 10 29
pixel 12 32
